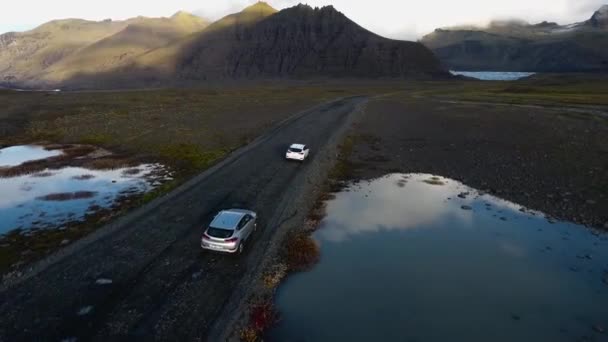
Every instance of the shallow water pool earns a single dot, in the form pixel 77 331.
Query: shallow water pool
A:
pixel 17 155
pixel 51 198
pixel 417 258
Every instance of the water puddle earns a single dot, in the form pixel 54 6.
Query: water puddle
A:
pixel 494 75
pixel 17 155
pixel 423 258
pixel 50 198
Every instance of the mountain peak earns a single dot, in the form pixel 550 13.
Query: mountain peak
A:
pixel 181 14
pixel 600 18
pixel 260 6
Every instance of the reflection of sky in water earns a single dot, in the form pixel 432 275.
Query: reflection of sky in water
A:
pixel 16 155
pixel 494 75
pixel 407 264
pixel 382 206
pixel 21 206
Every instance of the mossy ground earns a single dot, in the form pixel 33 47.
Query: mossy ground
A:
pixel 188 130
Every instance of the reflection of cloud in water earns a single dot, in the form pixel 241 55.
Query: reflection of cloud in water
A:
pixel 16 155
pixel 23 196
pixel 16 190
pixel 408 258
pixel 382 205
pixel 512 249
pixel 389 203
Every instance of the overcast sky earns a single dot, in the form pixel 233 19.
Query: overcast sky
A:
pixel 401 19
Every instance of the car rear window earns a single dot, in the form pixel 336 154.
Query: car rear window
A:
pixel 219 233
pixel 296 150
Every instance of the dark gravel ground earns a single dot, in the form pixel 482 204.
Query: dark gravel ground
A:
pixel 549 159
pixel 145 277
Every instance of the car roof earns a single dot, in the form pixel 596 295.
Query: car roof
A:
pixel 227 219
pixel 300 146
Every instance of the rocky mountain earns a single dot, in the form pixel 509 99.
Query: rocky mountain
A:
pixel 139 37
pixel 27 54
pixel 519 46
pixel 58 50
pixel 167 62
pixel 599 19
pixel 302 42
pixel 256 43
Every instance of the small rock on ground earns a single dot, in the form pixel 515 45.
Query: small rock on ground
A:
pixel 85 310
pixel 466 207
pixel 103 281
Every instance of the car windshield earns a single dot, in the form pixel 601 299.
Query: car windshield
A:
pixel 219 233
pixel 296 150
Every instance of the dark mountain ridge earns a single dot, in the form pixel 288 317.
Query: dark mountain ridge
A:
pixel 519 46
pixel 303 42
pixel 261 43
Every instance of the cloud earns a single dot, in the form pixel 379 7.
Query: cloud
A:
pixel 392 18
pixel 582 7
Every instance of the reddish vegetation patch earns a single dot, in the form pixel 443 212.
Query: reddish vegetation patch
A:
pixel 68 196
pixel 83 177
pixel 301 251
pixel 263 316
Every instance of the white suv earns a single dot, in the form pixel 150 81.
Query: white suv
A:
pixel 297 152
pixel 229 231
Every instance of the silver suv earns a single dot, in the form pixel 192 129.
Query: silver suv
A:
pixel 229 231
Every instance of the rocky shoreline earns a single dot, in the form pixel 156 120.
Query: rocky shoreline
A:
pixel 551 161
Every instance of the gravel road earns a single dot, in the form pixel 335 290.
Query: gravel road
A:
pixel 145 277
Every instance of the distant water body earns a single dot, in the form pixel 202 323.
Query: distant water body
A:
pixel 494 75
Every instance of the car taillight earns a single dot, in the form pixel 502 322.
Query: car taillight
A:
pixel 206 237
pixel 232 240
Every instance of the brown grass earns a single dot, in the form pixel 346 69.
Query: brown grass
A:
pixel 249 335
pixel 434 181
pixel 73 151
pixel 68 196
pixel 301 252
pixel 273 277
pixel 83 177
pixel 108 163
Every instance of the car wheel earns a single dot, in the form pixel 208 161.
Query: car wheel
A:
pixel 241 247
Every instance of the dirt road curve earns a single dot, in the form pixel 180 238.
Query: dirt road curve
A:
pixel 163 286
